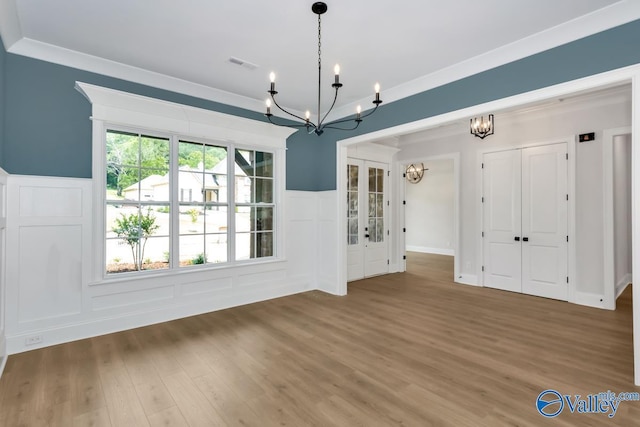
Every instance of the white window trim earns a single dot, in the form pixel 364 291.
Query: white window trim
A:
pixel 119 108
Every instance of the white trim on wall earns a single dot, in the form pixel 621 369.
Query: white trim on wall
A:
pixel 401 223
pixel 3 266
pixel 610 287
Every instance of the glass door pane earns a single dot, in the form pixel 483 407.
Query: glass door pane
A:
pixel 352 204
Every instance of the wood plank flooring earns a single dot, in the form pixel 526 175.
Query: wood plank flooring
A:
pixel 411 349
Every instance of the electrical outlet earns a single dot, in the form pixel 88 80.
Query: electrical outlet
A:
pixel 36 339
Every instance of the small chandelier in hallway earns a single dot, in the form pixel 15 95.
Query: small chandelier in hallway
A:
pixel 482 128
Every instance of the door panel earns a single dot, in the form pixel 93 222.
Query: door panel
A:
pixel 355 238
pixel 544 221
pixel 367 236
pixel 376 247
pixel 525 220
pixel 501 216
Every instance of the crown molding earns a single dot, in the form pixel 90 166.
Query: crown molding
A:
pixel 617 14
pixel 600 20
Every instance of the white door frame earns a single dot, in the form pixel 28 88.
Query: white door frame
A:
pixel 611 78
pixel 400 166
pixel 608 244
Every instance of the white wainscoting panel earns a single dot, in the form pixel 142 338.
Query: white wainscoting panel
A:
pixel 50 266
pixel 52 299
pixel 327 232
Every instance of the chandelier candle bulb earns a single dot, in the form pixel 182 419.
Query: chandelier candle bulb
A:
pixel 358 111
pixel 272 77
pixel 377 89
pixel 268 107
pixel 336 70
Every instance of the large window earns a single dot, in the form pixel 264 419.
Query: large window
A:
pixel 174 202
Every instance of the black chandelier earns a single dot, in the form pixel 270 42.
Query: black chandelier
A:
pixel 482 128
pixel 320 8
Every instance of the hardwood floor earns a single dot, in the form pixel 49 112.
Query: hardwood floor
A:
pixel 408 349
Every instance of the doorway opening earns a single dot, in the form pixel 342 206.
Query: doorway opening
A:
pixel 429 214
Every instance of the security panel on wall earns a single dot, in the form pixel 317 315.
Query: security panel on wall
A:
pixel 367 223
pixel 525 213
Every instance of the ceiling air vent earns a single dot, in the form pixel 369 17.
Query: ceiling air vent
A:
pixel 242 63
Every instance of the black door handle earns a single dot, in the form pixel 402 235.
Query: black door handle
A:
pixel 366 235
pixel 517 239
pixel 525 239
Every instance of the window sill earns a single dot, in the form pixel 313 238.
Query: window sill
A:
pixel 182 271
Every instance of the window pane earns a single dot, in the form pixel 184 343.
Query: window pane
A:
pixel 380 230
pixel 264 190
pixel 244 218
pixel 216 219
pixel 244 246
pixel 135 237
pixel 155 255
pixel 191 250
pixel 264 219
pixel 264 245
pixel 154 185
pixel 372 205
pixel 379 205
pixel 154 152
pixel 190 156
pixel 122 149
pixel 264 164
pixel 372 230
pixel 380 179
pixel 244 160
pixel 128 186
pixel 372 179
pixel 353 178
pixel 244 189
pixel 191 219
pixel 216 248
pixel 190 186
pixel 162 219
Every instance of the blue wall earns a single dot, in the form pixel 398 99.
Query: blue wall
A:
pixel 605 51
pixel 47 130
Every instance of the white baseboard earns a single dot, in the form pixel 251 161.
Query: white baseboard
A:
pixel 468 279
pixel 95 327
pixel 590 300
pixel 3 354
pixel 427 250
pixel 622 284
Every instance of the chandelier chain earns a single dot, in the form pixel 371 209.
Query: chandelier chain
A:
pixel 319 41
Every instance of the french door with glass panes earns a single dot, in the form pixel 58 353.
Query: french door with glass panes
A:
pixel 367 224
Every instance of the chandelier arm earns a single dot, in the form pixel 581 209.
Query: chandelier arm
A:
pixel 329 110
pixel 306 123
pixel 285 125
pixel 335 122
pixel 330 125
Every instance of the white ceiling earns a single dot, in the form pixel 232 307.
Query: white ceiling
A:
pixel 406 45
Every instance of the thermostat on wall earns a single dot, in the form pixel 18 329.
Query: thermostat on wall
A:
pixel 585 137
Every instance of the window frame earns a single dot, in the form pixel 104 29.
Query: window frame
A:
pixel 117 110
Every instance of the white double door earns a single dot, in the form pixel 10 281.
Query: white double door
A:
pixel 367 224
pixel 525 213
